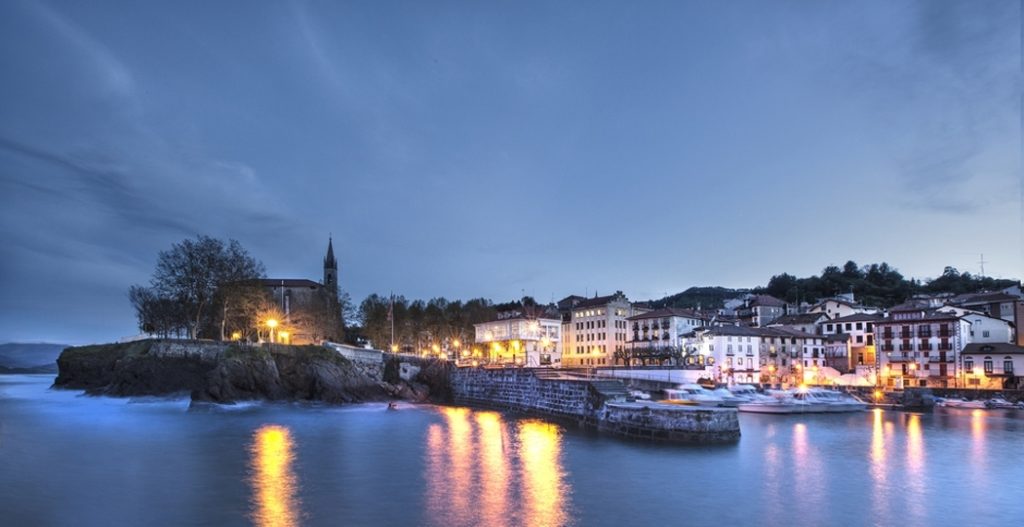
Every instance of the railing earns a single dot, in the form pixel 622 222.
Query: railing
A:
pixel 936 358
pixel 899 357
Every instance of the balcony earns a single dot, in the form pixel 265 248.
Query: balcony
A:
pixel 900 357
pixel 938 358
pixel 906 334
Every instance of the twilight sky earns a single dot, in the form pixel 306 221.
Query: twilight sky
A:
pixel 466 149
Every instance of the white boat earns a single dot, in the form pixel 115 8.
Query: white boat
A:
pixel 961 403
pixel 729 399
pixel 694 394
pixel 776 406
pixel 748 394
pixel 999 402
pixel 804 400
pixel 640 394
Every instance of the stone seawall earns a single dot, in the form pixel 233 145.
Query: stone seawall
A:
pixel 600 404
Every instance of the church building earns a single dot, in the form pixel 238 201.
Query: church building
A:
pixel 310 309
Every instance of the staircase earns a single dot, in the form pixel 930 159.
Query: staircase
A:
pixel 611 390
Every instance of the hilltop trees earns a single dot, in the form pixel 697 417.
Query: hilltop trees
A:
pixel 420 324
pixel 201 285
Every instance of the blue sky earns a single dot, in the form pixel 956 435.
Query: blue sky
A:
pixel 466 149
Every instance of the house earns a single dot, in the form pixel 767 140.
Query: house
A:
pixel 724 353
pixel 519 339
pixel 662 327
pixel 595 330
pixel 760 310
pixel 840 307
pixel 1001 304
pixel 858 332
pixel 993 365
pixel 790 355
pixel 920 346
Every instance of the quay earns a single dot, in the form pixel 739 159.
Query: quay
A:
pixel 598 403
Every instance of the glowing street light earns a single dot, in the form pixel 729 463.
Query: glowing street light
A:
pixel 236 335
pixel 394 348
pixel 283 336
pixel 271 323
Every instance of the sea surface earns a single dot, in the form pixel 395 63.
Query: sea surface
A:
pixel 69 459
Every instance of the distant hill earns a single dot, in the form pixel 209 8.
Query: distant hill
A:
pixel 29 358
pixel 703 297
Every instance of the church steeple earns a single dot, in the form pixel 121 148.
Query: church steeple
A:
pixel 330 267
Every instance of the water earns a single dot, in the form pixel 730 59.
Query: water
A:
pixel 67 459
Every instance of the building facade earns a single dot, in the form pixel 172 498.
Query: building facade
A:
pixel 595 330
pixel 994 366
pixel 518 340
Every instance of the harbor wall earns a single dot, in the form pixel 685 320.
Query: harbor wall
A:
pixel 601 404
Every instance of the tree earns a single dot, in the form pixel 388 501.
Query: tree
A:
pixel 156 315
pixel 198 275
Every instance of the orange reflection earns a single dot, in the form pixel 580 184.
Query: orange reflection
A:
pixel 978 427
pixel 274 483
pixel 878 447
pixel 915 469
pixel 495 474
pixel 540 444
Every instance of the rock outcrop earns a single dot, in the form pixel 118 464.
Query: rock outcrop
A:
pixel 224 372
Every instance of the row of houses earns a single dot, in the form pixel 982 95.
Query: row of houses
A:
pixel 940 341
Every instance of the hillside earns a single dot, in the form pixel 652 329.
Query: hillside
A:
pixel 29 358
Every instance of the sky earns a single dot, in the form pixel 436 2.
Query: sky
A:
pixel 495 149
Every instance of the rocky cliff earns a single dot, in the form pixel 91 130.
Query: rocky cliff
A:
pixel 222 372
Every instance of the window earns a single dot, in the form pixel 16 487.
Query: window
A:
pixel 860 325
pixel 984 333
pixel 849 326
pixel 828 327
pixel 1008 365
pixel 969 365
pixel 860 339
pixel 988 365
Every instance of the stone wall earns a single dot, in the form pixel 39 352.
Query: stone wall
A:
pixel 579 400
pixel 673 423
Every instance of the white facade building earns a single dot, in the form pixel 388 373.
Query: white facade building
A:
pixel 520 341
pixel 725 353
pixel 595 329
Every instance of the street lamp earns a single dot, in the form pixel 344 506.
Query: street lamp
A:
pixel 271 323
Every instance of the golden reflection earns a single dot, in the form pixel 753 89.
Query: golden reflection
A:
pixel 495 469
pixel 915 492
pixel 977 437
pixel 273 481
pixel 878 447
pixel 540 446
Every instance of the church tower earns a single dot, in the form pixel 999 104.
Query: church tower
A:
pixel 330 268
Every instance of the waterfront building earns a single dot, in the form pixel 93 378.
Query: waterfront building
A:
pixel 791 355
pixel 992 365
pixel 725 353
pixel 661 328
pixel 857 330
pixel 1001 304
pixel 919 346
pixel 519 339
pixel 596 329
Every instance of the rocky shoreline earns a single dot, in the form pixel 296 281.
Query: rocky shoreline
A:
pixel 228 372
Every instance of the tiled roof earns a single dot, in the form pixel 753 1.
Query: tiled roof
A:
pixel 797 319
pixel 596 301
pixel 994 348
pixel 857 317
pixel 766 300
pixel 671 312
pixel 983 298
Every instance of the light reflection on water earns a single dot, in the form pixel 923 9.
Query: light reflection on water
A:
pixel 274 485
pixel 363 465
pixel 472 478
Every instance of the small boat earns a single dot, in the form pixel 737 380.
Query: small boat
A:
pixel 392 406
pixel 999 402
pixel 747 393
pixel 691 394
pixel 961 403
pixel 804 400
pixel 640 394
pixel 776 406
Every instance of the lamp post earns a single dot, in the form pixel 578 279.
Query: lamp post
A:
pixel 271 323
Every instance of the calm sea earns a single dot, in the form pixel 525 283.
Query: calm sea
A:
pixel 67 459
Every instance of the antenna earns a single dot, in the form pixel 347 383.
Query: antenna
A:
pixel 982 262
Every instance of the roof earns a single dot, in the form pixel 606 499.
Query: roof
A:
pixel 857 317
pixel 836 300
pixel 798 319
pixel 983 298
pixel 289 282
pixel 596 301
pixel 930 315
pixel 766 300
pixel 911 305
pixel 671 312
pixel 329 260
pixel 993 348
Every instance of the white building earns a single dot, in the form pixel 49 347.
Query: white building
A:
pixel 595 329
pixel 760 310
pixel 725 353
pixel 994 366
pixel 840 307
pixel 920 346
pixel 662 328
pixel 790 355
pixel 859 327
pixel 519 340
pixel 806 322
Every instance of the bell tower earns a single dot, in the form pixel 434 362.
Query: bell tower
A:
pixel 330 268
